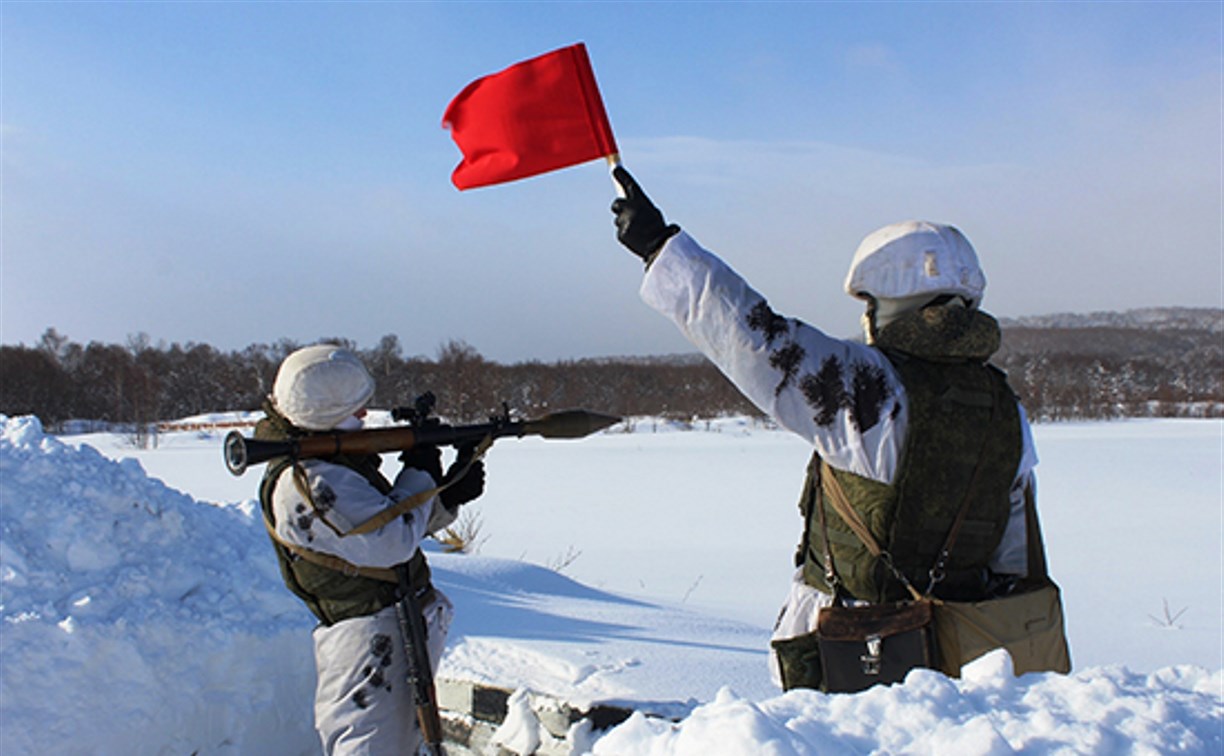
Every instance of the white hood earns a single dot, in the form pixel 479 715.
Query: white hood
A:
pixel 319 386
pixel 915 258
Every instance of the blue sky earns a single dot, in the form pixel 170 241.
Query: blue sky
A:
pixel 237 173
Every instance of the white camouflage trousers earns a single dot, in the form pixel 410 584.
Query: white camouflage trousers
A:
pixel 364 703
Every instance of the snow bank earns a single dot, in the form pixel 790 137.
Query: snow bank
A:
pixel 1099 711
pixel 136 620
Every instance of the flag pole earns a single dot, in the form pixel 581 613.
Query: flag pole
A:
pixel 614 160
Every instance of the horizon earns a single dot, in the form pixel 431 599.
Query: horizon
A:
pixel 1022 321
pixel 238 173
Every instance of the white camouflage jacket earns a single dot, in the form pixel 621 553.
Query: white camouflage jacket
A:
pixel 843 396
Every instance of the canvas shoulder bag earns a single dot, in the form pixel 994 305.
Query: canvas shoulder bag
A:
pixel 1028 623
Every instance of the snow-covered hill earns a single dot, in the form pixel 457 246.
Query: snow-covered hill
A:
pixel 1210 319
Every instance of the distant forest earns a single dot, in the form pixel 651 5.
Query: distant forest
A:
pixel 1061 372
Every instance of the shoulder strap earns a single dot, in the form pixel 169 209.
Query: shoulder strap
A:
pixel 837 497
pixel 1038 569
pixel 937 569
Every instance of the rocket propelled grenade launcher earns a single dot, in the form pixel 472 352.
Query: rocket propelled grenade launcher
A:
pixel 241 453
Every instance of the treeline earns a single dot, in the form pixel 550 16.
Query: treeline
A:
pixel 1106 372
pixel 1059 374
pixel 59 380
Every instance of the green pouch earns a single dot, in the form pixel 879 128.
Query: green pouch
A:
pixel 799 661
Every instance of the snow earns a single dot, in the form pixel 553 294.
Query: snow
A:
pixel 142 610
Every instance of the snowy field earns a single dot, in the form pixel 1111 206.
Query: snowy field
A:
pixel 143 613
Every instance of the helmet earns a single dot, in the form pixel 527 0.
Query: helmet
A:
pixel 915 259
pixel 317 387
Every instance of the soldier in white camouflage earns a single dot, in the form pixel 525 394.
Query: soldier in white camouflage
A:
pixel 911 421
pixel 352 580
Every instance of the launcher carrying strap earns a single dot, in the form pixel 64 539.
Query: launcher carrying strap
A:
pixel 389 514
pixel 401 507
pixel 412 502
pixel 331 562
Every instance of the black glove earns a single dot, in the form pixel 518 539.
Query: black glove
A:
pixel 467 488
pixel 639 224
pixel 424 457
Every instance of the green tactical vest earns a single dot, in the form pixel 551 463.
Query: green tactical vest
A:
pixel 963 442
pixel 332 595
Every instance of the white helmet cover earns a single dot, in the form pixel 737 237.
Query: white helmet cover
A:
pixel 915 258
pixel 319 386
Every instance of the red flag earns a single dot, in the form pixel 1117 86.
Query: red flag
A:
pixel 536 116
